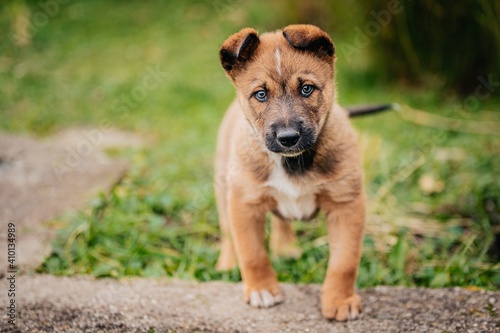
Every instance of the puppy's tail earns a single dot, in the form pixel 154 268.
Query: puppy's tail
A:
pixel 361 110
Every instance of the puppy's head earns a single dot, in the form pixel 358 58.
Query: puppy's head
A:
pixel 284 82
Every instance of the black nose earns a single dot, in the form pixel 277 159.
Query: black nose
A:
pixel 287 137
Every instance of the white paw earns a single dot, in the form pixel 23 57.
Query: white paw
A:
pixel 264 299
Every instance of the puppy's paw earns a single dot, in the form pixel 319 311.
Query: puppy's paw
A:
pixel 341 309
pixel 227 258
pixel 225 264
pixel 263 298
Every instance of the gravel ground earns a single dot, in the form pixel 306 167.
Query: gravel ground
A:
pixel 82 304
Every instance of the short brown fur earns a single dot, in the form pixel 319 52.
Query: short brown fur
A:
pixel 252 179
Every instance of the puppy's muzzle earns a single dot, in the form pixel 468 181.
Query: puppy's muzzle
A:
pixel 289 140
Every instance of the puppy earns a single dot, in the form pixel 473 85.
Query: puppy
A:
pixel 285 146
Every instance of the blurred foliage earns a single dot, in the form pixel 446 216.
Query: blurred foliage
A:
pixel 433 192
pixel 439 40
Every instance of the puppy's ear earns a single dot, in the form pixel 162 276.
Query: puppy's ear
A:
pixel 311 39
pixel 238 49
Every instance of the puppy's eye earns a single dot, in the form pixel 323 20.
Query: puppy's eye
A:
pixel 306 90
pixel 261 95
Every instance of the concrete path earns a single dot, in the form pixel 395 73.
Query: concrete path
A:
pixel 61 304
pixel 42 178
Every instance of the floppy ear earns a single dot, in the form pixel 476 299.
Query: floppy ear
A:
pixel 238 49
pixel 311 39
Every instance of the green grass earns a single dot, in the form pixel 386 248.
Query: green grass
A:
pixel 160 220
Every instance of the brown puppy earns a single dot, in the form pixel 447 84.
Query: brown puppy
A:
pixel 285 146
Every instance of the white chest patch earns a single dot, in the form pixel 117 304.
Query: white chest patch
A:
pixel 296 200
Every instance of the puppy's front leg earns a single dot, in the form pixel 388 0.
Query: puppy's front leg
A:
pixel 247 228
pixel 345 232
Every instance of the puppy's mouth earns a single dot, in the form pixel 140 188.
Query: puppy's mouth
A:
pixel 291 154
pixel 294 151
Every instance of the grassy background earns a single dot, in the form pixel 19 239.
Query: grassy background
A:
pixel 434 193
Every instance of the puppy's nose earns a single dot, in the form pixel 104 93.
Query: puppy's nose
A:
pixel 287 137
